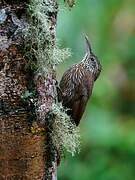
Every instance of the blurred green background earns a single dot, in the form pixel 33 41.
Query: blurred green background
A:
pixel 108 125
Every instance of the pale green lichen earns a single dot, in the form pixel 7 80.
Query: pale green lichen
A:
pixel 44 53
pixel 39 36
pixel 70 3
pixel 59 55
pixel 65 134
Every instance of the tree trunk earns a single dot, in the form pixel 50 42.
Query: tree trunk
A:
pixel 22 154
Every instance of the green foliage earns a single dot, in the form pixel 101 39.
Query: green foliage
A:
pixel 108 125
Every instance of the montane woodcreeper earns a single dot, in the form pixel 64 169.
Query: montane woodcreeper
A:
pixel 77 83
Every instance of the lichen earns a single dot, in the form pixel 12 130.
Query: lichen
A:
pixel 70 3
pixel 65 134
pixel 44 53
pixel 36 130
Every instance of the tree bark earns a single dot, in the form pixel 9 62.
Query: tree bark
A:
pixel 22 154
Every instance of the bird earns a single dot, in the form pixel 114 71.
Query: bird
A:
pixel 77 83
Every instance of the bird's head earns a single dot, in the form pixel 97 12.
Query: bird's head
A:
pixel 91 61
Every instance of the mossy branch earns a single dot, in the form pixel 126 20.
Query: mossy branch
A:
pixel 44 52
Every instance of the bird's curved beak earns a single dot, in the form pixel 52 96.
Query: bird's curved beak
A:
pixel 88 45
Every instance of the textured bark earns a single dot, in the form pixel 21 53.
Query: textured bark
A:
pixel 22 154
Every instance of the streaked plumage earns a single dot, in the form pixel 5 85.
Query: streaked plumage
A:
pixel 77 83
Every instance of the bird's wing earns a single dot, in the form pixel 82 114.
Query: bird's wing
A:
pixel 78 108
pixel 67 86
pixel 79 104
pixel 76 91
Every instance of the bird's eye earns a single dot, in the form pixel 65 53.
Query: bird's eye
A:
pixel 92 59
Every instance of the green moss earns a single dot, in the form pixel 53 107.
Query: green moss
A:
pixel 65 134
pixel 27 94
pixel 44 53
pixel 39 39
pixel 70 3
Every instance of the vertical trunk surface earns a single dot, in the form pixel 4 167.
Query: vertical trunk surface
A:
pixel 22 154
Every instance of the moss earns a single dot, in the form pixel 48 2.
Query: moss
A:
pixel 70 3
pixel 27 94
pixel 36 130
pixel 39 37
pixel 44 53
pixel 65 134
